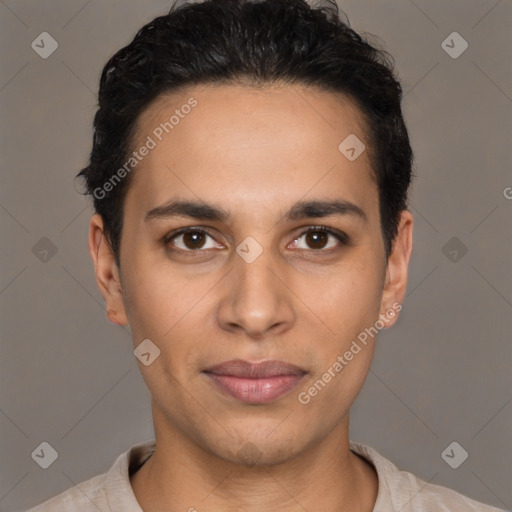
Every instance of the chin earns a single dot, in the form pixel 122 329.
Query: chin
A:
pixel 252 451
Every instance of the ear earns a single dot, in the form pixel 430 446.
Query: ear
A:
pixel 395 282
pixel 107 272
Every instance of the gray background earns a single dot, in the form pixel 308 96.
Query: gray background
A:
pixel 442 374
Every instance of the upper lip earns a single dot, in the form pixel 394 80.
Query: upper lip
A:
pixel 264 369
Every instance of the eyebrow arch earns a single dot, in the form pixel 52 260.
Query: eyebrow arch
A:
pixel 203 211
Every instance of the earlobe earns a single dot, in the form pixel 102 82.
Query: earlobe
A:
pixel 397 270
pixel 106 271
pixel 112 317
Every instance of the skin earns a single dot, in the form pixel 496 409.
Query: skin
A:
pixel 254 152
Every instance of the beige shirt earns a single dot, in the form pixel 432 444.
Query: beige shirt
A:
pixel 398 490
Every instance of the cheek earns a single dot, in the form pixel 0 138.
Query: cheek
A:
pixel 153 299
pixel 169 308
pixel 349 306
pixel 347 300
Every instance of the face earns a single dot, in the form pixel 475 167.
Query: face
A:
pixel 249 238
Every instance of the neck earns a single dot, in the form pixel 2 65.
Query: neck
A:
pixel 184 476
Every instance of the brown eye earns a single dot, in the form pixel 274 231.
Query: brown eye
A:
pixel 193 240
pixel 317 239
pixel 321 239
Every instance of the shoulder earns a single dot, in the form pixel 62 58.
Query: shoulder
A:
pixel 107 492
pixel 87 496
pixel 401 490
pixel 416 495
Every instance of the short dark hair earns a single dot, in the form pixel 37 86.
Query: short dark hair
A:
pixel 257 43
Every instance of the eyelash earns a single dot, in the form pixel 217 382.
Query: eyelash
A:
pixel 342 237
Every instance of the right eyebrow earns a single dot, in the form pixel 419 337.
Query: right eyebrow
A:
pixel 194 209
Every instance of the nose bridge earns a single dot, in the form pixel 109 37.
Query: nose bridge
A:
pixel 256 300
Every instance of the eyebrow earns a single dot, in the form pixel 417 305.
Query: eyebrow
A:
pixel 311 209
pixel 302 210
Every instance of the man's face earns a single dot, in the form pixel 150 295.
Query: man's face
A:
pixel 270 280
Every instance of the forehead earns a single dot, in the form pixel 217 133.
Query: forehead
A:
pixel 240 143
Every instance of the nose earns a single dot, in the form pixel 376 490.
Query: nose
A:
pixel 256 300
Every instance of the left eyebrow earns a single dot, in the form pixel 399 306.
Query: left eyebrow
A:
pixel 311 209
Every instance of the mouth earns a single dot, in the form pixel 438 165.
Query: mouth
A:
pixel 255 383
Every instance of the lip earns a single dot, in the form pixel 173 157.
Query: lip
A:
pixel 255 383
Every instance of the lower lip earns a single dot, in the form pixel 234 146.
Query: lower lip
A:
pixel 256 391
